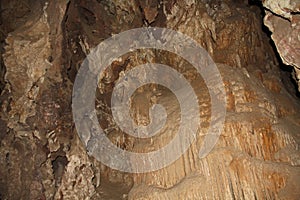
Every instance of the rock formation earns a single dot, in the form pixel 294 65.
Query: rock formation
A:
pixel 283 20
pixel 43 46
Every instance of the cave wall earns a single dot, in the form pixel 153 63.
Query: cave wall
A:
pixel 44 43
pixel 283 20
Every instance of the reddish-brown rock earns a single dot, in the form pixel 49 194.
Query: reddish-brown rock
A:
pixel 283 20
pixel 41 156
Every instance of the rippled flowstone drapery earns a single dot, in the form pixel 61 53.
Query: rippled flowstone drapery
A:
pixel 41 157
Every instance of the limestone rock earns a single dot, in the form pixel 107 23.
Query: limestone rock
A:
pixel 256 131
pixel 283 20
pixel 41 156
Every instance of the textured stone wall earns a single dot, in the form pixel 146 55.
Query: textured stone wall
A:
pixel 283 19
pixel 41 156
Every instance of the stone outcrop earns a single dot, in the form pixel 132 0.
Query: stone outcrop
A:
pixel 41 156
pixel 283 20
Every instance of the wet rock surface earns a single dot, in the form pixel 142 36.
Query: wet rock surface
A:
pixel 43 45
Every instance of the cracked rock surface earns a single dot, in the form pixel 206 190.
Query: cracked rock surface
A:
pixel 283 19
pixel 43 44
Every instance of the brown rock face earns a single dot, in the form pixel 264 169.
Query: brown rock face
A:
pixel 283 20
pixel 43 46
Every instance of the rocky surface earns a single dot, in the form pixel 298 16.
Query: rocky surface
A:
pixel 283 20
pixel 248 151
pixel 41 156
